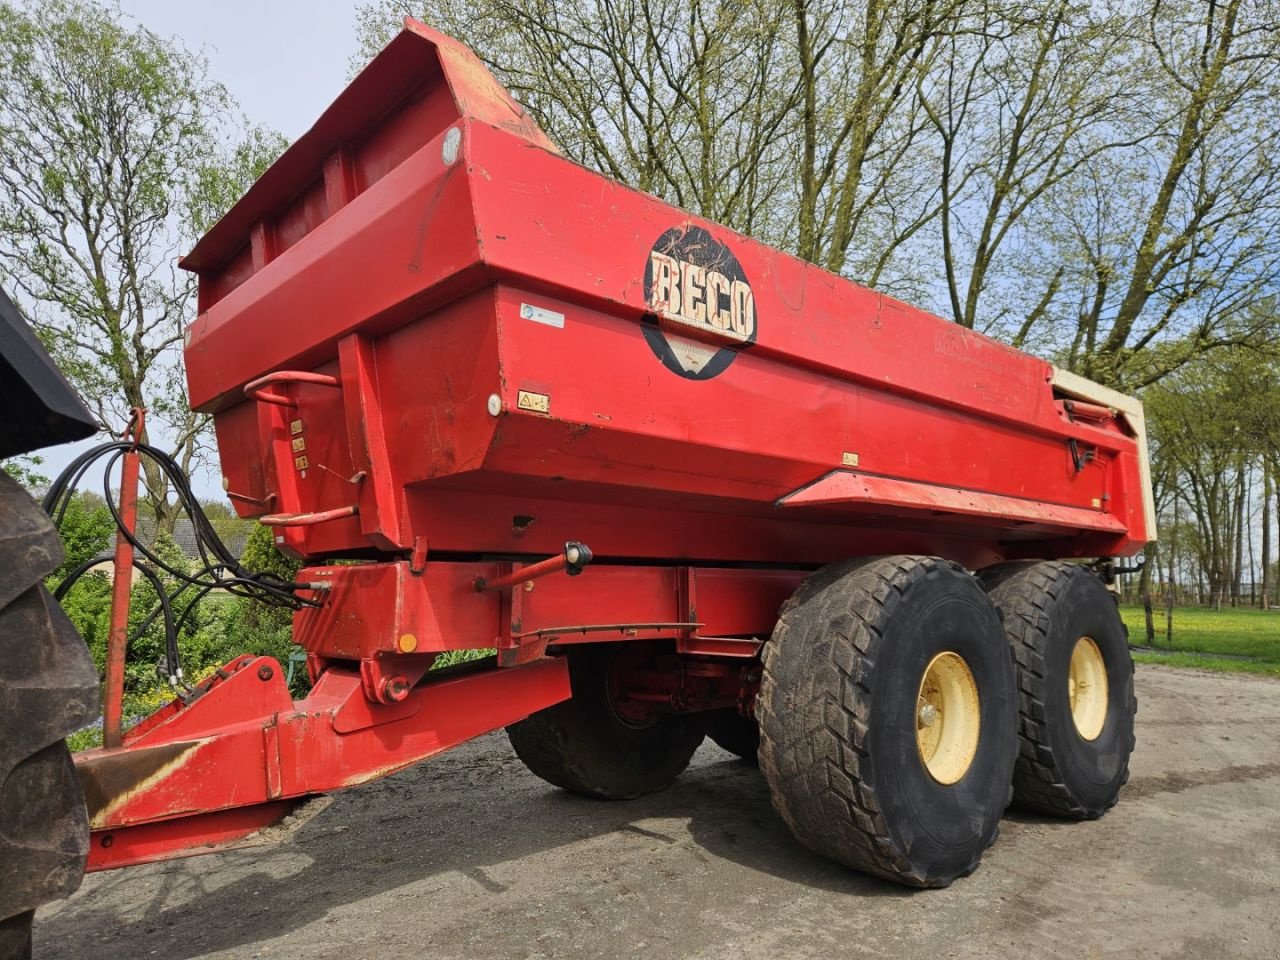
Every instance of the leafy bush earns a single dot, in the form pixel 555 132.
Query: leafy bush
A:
pixel 261 556
pixel 86 530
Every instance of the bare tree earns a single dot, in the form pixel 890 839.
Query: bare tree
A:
pixel 795 123
pixel 1021 101
pixel 1174 240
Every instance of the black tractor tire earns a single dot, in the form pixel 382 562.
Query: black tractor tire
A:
pixel 48 688
pixel 839 707
pixel 586 746
pixel 730 730
pixel 1047 608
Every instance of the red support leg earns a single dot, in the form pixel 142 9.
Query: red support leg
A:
pixel 118 638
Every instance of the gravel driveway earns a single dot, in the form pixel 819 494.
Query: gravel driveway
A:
pixel 470 856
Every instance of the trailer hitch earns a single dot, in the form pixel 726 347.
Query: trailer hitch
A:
pixel 574 557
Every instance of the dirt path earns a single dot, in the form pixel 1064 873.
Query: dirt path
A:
pixel 469 856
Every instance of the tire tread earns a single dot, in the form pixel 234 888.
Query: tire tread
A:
pixel 836 811
pixel 1023 593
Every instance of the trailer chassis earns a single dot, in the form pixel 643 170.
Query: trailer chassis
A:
pixel 214 768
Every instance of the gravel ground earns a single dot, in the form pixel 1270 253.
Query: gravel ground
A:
pixel 470 856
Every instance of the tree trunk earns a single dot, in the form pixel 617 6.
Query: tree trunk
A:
pixel 1253 560
pixel 1237 566
pixel 1144 587
pixel 1266 532
pixel 1168 603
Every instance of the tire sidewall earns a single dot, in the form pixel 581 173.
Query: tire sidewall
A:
pixel 635 758
pixel 1094 768
pixel 936 823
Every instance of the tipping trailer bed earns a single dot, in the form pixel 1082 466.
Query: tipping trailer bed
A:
pixel 666 389
pixel 431 343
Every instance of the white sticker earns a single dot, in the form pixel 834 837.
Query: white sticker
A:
pixel 539 315
pixel 449 149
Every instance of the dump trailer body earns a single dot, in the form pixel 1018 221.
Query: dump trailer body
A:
pixel 520 350
pixel 562 419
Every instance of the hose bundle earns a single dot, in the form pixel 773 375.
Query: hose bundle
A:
pixel 217 568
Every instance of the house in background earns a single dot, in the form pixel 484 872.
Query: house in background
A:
pixel 184 535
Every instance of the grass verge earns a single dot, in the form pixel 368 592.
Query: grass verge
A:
pixel 1230 640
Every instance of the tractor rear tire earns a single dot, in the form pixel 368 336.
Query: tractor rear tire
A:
pixel 48 688
pixel 1075 681
pixel 858 769
pixel 730 730
pixel 585 745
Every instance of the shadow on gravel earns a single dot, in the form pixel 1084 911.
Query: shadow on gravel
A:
pixel 455 814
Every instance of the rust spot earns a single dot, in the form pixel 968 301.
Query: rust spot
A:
pixel 109 780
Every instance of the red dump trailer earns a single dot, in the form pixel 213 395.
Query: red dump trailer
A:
pixel 681 483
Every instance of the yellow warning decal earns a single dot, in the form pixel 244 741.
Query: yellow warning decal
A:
pixel 533 402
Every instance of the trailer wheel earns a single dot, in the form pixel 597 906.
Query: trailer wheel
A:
pixel 739 735
pixel 48 688
pixel 887 717
pixel 589 744
pixel 1075 680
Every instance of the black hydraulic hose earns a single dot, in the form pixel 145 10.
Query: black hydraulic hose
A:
pixel 217 568
pixel 164 607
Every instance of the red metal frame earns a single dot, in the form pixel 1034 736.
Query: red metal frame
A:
pixel 243 754
pixel 240 754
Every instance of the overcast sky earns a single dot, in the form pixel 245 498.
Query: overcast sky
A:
pixel 284 61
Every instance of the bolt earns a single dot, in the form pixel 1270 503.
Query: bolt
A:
pixel 108 840
pixel 395 688
pixel 265 672
pixel 528 586
pixel 928 715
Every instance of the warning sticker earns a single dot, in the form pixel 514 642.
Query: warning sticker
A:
pixel 533 402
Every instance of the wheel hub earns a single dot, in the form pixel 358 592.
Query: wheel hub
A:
pixel 947 718
pixel 1087 689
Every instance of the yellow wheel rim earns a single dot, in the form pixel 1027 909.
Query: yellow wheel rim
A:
pixel 947 718
pixel 1087 689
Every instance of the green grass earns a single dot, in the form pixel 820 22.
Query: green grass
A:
pixel 1211 639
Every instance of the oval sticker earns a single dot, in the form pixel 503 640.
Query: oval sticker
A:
pixel 702 310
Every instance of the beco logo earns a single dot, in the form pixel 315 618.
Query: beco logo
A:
pixel 701 307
